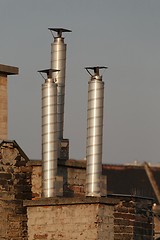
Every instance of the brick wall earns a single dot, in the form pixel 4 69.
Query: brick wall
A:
pixel 15 186
pixel 15 174
pixel 73 173
pixel 70 219
pixel 116 218
pixel 36 178
pixel 133 219
pixel 13 221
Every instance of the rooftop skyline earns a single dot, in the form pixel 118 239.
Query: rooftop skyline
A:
pixel 121 34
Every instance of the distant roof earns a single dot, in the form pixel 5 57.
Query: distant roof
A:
pixel 132 180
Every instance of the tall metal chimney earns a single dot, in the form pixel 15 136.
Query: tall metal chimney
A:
pixel 58 61
pixel 49 134
pixel 5 70
pixel 94 132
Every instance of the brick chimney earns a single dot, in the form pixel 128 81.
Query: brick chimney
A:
pixel 4 72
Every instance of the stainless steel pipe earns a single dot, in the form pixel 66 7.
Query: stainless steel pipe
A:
pixel 58 61
pixel 94 133
pixel 49 137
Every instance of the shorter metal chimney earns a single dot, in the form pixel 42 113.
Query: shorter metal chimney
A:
pixel 94 132
pixel 49 134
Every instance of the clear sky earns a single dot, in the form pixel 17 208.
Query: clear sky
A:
pixel 121 34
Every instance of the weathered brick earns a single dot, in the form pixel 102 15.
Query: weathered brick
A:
pixel 40 236
pixel 78 221
pixel 6 176
pixel 124 222
pixel 124 216
pixel 124 237
pixel 123 229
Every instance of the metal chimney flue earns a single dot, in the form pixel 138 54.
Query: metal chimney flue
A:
pixel 58 61
pixel 49 134
pixel 94 132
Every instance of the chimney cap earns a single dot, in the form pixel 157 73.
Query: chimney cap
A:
pixel 95 69
pixel 59 31
pixel 8 70
pixel 48 72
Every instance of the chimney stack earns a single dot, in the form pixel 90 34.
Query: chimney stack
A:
pixel 5 70
pixel 49 134
pixel 58 61
pixel 94 132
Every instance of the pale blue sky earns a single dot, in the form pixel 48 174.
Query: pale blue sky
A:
pixel 122 34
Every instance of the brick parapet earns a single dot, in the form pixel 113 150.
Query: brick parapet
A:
pixel 69 201
pixel 72 171
pixel 68 163
pixel 70 218
pixel 105 218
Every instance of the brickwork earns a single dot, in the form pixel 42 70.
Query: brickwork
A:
pixel 116 218
pixel 13 221
pixel 36 180
pixel 70 219
pixel 133 219
pixel 3 107
pixel 74 183
pixel 157 227
pixel 156 211
pixel 15 175
pixel 15 186
pixel 4 71
pixel 73 173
